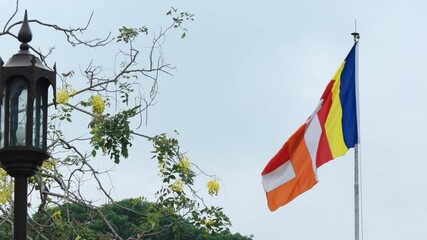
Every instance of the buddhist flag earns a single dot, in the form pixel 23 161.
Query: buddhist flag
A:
pixel 328 133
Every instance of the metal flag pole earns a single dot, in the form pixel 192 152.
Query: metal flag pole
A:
pixel 356 149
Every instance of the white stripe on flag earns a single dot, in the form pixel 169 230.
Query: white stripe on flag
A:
pixel 278 177
pixel 312 138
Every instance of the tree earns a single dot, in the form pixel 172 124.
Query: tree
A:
pixel 129 218
pixel 111 105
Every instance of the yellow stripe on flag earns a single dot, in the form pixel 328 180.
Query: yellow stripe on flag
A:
pixel 333 124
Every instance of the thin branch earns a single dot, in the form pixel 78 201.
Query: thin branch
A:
pixel 141 135
pixel 80 109
pixel 13 15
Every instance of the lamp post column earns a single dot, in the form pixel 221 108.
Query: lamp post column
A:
pixel 20 208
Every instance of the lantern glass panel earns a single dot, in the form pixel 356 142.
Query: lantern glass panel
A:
pixel 18 97
pixel 39 108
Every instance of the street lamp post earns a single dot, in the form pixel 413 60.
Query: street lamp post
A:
pixel 24 84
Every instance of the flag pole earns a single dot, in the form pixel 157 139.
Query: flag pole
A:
pixel 357 222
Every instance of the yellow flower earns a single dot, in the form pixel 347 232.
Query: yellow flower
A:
pixel 177 186
pixel 57 215
pixel 98 104
pixel 32 180
pixel 184 164
pixel 3 175
pixel 213 187
pixel 6 187
pixel 49 164
pixel 72 90
pixel 62 96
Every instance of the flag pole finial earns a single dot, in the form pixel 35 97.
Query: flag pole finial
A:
pixel 355 34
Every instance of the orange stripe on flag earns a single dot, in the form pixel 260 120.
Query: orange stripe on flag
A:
pixel 304 179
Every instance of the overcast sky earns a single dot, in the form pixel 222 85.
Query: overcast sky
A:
pixel 248 75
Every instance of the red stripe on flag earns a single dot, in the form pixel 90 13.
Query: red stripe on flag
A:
pixel 278 160
pixel 324 151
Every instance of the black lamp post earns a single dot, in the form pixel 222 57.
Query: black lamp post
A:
pixel 24 83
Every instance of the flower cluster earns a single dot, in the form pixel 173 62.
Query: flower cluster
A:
pixel 62 96
pixel 98 104
pixel 177 186
pixel 6 187
pixel 184 164
pixel 57 215
pixel 213 187
pixel 49 164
